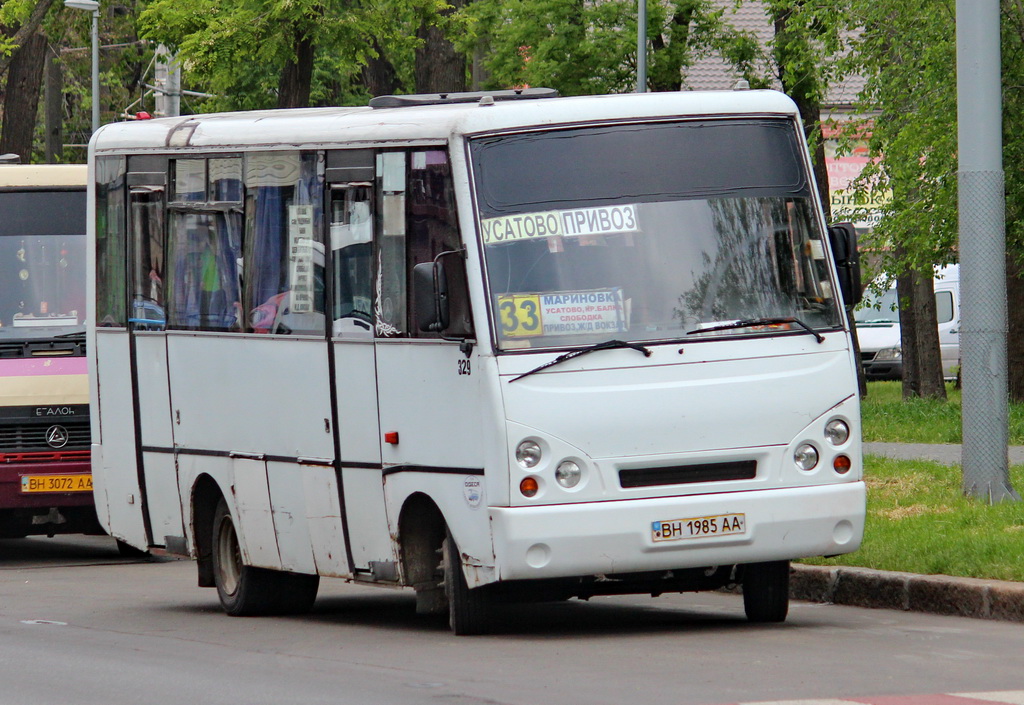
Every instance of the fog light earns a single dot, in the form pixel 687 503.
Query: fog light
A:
pixel 806 457
pixel 528 454
pixel 842 464
pixel 837 432
pixel 529 486
pixel 568 474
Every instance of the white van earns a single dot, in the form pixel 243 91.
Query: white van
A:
pixel 878 328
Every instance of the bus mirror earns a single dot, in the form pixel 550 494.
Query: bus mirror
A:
pixel 430 296
pixel 843 240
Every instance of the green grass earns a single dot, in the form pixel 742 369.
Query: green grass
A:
pixel 919 521
pixel 887 417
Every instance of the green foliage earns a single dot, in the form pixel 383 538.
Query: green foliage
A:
pixel 13 14
pixel 907 52
pixel 919 521
pixel 237 49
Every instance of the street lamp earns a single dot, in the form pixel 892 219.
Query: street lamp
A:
pixel 94 7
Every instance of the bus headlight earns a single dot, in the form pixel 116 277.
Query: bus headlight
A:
pixel 528 454
pixel 837 432
pixel 889 354
pixel 568 474
pixel 805 456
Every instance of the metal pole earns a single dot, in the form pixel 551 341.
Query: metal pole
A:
pixel 95 70
pixel 641 46
pixel 982 209
pixel 167 77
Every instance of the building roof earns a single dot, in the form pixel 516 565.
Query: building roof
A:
pixel 714 73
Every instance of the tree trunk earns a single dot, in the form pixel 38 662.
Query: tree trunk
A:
pixel 1015 337
pixel 804 90
pixel 297 76
pixel 379 75
pixel 919 333
pixel 439 67
pixel 54 122
pixel 21 98
pixel 666 71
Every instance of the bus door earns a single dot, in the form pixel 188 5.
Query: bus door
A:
pixel 429 382
pixel 115 443
pixel 147 201
pixel 350 177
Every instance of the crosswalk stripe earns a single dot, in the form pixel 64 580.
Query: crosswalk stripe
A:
pixel 1012 697
pixel 1003 697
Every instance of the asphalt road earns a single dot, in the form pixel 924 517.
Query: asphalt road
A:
pixel 78 624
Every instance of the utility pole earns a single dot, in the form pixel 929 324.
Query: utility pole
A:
pixel 982 207
pixel 167 77
pixel 641 46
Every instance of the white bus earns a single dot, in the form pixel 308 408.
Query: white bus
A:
pixel 493 347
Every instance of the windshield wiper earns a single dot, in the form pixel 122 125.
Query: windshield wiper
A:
pixel 607 345
pixel 76 334
pixel 747 323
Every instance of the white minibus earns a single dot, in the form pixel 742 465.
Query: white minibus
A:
pixel 878 327
pixel 493 347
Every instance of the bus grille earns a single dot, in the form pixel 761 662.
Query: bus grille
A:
pixel 22 437
pixel 686 474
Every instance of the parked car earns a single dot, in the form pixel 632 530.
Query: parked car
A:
pixel 878 327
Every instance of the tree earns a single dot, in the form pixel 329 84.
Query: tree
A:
pixel 296 53
pixel 906 53
pixel 21 97
pixel 22 57
pixel 19 20
pixel 586 48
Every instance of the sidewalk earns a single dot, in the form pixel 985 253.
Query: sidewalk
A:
pixel 935 594
pixel 946 453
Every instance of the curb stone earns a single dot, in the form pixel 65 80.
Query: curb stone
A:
pixel 934 594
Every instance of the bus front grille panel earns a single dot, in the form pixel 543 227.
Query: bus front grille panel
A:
pixel 687 474
pixel 20 437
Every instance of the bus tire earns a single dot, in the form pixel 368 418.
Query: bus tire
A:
pixel 243 590
pixel 766 591
pixel 468 610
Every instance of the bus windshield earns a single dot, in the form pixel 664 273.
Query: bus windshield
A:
pixel 647 232
pixel 42 264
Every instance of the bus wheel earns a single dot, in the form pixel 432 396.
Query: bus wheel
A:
pixel 766 591
pixel 468 610
pixel 243 590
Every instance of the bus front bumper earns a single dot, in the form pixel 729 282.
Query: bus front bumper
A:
pixel 614 537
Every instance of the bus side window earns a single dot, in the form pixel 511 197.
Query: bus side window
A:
pixel 111 242
pixel 147 263
pixel 390 308
pixel 204 251
pixel 351 212
pixel 434 229
pixel 283 272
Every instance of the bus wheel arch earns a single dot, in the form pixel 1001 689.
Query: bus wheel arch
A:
pixel 421 534
pixel 206 494
pixel 432 565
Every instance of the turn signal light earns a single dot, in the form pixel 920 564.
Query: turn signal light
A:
pixel 529 486
pixel 842 464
